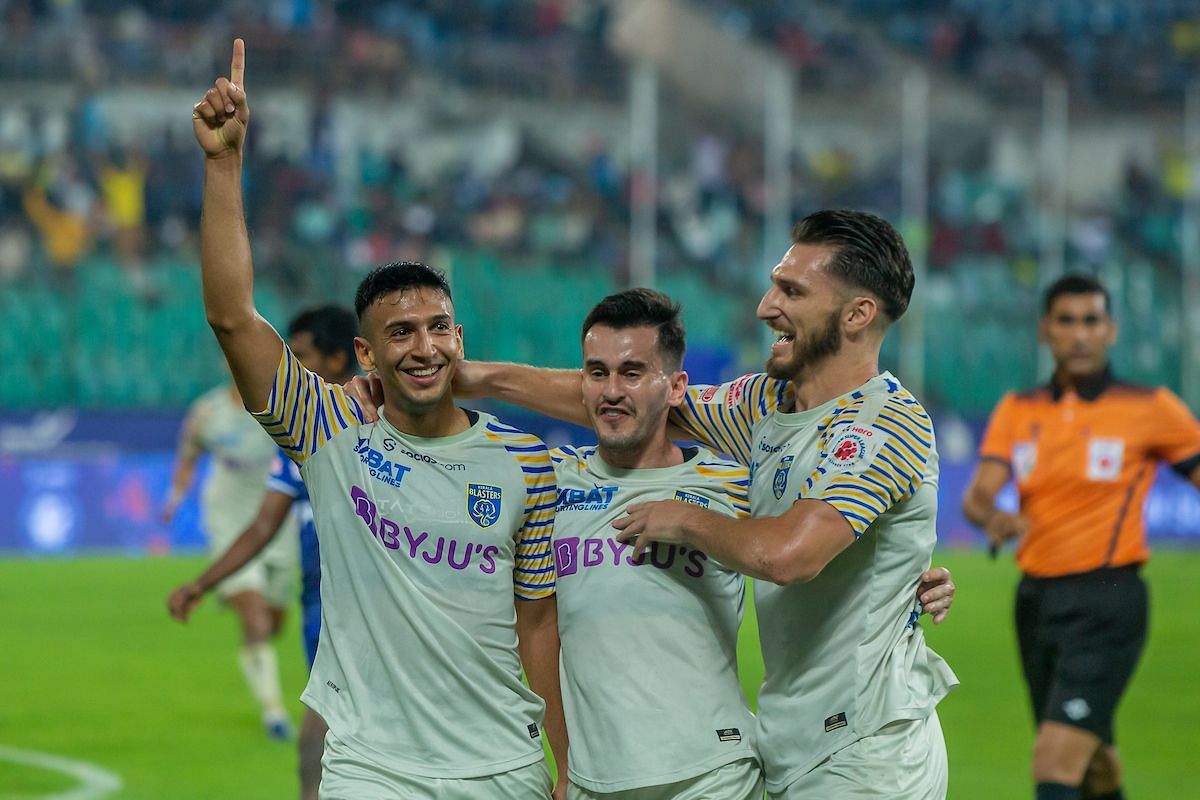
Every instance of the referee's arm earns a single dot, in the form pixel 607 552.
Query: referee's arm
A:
pixel 979 502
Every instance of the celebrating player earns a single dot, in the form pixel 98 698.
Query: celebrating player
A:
pixel 1082 450
pixel 323 341
pixel 431 520
pixel 843 489
pixel 654 705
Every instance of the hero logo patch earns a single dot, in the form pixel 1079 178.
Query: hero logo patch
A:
pixel 853 449
pixel 735 391
pixel 708 394
pixel 1105 458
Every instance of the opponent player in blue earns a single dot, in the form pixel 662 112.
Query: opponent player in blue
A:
pixel 323 340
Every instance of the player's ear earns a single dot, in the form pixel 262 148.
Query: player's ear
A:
pixel 860 313
pixel 462 347
pixel 362 350
pixel 679 385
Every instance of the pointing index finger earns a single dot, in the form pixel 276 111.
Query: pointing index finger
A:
pixel 237 67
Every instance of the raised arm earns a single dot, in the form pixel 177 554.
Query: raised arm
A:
pixel 252 347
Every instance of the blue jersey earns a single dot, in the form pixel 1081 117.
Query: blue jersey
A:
pixel 285 478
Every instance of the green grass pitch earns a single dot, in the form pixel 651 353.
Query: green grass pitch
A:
pixel 94 670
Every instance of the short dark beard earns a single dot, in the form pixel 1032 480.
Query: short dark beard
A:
pixel 827 342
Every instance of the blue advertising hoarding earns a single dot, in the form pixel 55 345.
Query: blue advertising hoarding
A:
pixel 71 483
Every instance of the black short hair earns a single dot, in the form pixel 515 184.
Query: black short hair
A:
pixel 1075 283
pixel 868 253
pixel 332 328
pixel 638 308
pixel 399 276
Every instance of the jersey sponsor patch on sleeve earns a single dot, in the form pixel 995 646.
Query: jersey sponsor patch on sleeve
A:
pixel 854 449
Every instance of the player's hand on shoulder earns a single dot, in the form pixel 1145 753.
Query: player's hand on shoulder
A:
pixel 468 380
pixel 184 600
pixel 367 390
pixel 221 117
pixel 936 593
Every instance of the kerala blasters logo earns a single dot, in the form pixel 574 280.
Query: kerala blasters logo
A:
pixel 691 498
pixel 483 504
pixel 779 485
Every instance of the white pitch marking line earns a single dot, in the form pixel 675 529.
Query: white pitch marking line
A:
pixel 95 783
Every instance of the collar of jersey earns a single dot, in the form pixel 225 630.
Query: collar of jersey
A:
pixel 800 419
pixel 1088 388
pixel 476 419
pixel 602 469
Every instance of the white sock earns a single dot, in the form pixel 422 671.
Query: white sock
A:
pixel 261 671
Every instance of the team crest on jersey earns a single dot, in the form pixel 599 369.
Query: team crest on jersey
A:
pixel 689 497
pixel 779 485
pixel 483 504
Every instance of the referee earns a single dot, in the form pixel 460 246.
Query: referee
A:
pixel 1083 451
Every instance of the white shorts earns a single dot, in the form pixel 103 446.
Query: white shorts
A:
pixel 741 780
pixel 275 582
pixel 905 760
pixel 345 776
pixel 271 573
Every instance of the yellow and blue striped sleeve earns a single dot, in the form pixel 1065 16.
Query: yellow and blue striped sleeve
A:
pixel 733 479
pixel 534 575
pixel 722 417
pixel 870 463
pixel 304 412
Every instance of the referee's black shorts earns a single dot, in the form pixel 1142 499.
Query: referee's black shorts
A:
pixel 1080 638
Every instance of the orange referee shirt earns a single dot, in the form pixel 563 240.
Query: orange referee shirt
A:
pixel 1083 462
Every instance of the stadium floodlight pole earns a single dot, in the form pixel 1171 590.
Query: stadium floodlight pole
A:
pixel 1189 350
pixel 1052 225
pixel 643 151
pixel 779 89
pixel 778 130
pixel 914 200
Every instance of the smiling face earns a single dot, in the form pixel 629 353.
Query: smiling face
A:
pixel 627 388
pixel 804 307
pixel 411 340
pixel 1079 330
